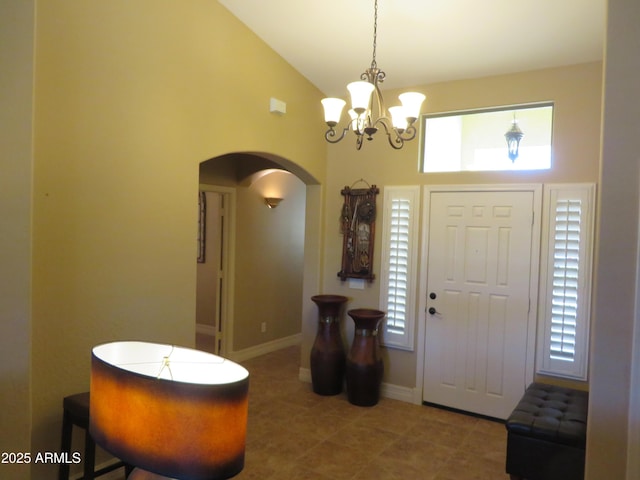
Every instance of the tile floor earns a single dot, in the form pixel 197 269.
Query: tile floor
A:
pixel 296 434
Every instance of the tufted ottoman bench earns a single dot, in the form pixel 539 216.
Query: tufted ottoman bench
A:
pixel 547 434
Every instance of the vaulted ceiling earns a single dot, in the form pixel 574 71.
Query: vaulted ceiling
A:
pixel 425 41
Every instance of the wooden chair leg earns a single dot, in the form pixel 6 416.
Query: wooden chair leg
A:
pixel 89 456
pixel 76 412
pixel 65 445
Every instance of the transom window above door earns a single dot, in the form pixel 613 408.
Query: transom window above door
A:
pixel 477 140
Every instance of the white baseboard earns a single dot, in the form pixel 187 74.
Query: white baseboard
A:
pixel 263 348
pixel 304 375
pixel 396 392
pixel 387 390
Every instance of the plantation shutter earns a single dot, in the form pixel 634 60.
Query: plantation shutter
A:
pixel 398 265
pixel 566 271
pixel 567 280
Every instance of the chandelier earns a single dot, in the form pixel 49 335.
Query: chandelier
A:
pixel 368 113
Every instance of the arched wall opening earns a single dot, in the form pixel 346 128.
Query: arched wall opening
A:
pixel 270 257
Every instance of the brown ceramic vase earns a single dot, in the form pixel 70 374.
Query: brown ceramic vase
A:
pixel 328 355
pixel 364 365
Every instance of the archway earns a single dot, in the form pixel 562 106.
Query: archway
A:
pixel 272 255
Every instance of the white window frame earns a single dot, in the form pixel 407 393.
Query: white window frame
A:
pixel 392 335
pixel 549 364
pixel 467 140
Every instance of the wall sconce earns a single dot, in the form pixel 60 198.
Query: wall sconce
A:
pixel 169 411
pixel 272 202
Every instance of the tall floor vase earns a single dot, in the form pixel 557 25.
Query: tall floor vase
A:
pixel 328 355
pixel 364 364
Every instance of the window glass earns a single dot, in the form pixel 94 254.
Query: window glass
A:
pixel 475 140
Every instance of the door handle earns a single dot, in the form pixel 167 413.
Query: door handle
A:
pixel 432 310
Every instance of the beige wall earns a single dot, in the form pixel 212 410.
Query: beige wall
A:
pixel 613 437
pixel 16 155
pixel 269 259
pixel 576 92
pixel 130 98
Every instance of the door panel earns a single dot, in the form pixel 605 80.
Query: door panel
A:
pixel 479 270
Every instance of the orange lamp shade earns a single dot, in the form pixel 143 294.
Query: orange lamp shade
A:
pixel 169 410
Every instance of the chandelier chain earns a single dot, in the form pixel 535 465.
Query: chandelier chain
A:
pixel 375 33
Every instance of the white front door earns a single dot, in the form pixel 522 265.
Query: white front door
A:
pixel 478 299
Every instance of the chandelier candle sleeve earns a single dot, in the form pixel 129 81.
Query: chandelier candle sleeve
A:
pixel 169 410
pixel 357 121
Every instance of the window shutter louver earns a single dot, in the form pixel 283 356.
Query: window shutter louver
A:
pixel 398 275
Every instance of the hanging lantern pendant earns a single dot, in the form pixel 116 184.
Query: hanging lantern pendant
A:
pixel 513 136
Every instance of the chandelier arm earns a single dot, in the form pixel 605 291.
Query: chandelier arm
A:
pixel 331 135
pixel 384 121
pixel 395 139
pixel 409 133
pixel 397 142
